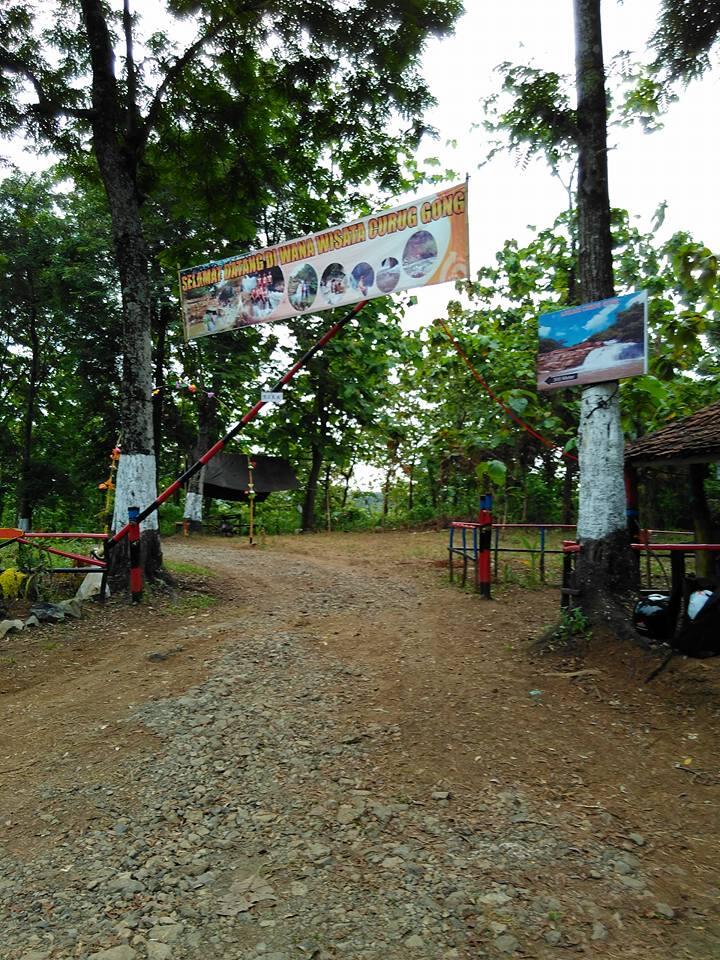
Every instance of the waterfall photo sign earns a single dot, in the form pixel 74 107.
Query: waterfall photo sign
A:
pixel 417 244
pixel 593 343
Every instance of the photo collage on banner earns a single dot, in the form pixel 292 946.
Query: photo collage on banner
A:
pixel 418 244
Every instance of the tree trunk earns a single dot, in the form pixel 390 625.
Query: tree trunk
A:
pixel 605 568
pixel 24 494
pixel 328 523
pixel 386 492
pixel 568 500
pixel 346 487
pixel 208 429
pixel 702 520
pixel 308 509
pixel 162 321
pixel 317 431
pixel 113 128
pixel 432 484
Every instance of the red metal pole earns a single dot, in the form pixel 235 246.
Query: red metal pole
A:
pixel 136 573
pixel 60 553
pixel 484 568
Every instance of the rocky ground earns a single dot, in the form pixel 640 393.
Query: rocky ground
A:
pixel 322 750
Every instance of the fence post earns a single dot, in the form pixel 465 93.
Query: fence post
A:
pixel 567 575
pixel 475 555
pixel 450 552
pixel 484 568
pixel 644 538
pixel 465 557
pixel 136 574
pixel 542 554
pixel 107 548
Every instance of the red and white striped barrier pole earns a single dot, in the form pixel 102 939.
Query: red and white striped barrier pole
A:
pixel 132 527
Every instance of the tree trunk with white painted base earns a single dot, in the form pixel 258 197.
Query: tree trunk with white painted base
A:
pixel 605 567
pixel 193 510
pixel 118 165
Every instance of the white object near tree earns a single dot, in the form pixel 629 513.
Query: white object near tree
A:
pixel 135 487
pixel 193 507
pixel 90 587
pixel 602 489
pixel 194 498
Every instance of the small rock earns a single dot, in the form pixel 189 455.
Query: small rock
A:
pixel 506 943
pixel 126 885
pixel 637 838
pixel 663 910
pixel 6 626
pixel 32 622
pixel 347 814
pixel 553 937
pixel 158 951
pixel 47 611
pixel 440 795
pixel 599 931
pixel 498 899
pixel 71 608
pixel 115 953
pixel 632 883
pixel 414 941
pixel 166 933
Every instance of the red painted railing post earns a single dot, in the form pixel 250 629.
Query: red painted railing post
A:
pixel 484 566
pixel 136 574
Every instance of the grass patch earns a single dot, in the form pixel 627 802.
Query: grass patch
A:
pixel 189 569
pixel 193 601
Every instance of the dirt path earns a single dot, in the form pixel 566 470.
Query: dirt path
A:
pixel 337 754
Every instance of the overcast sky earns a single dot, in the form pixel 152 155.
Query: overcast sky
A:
pixel 677 164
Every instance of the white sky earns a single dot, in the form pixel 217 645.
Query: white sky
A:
pixel 677 164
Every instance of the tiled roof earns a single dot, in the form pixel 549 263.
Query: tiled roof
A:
pixel 694 439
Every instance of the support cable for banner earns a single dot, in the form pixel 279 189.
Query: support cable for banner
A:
pixel 134 523
pixel 486 386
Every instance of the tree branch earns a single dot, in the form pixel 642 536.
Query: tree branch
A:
pixel 132 106
pixel 46 105
pixel 177 68
pixel 172 75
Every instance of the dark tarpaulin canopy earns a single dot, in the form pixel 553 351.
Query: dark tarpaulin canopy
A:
pixel 227 476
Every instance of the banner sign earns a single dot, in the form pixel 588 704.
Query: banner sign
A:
pixel 593 343
pixel 415 245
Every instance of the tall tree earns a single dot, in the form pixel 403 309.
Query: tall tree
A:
pixel 605 567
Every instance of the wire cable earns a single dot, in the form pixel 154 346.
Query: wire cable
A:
pixel 486 386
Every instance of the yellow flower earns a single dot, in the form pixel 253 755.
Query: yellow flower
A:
pixel 11 582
